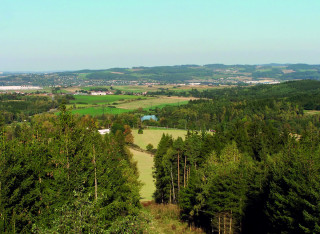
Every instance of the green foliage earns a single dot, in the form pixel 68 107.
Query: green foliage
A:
pixel 293 199
pixel 18 107
pixel 257 172
pixel 149 147
pixel 60 175
pixel 140 131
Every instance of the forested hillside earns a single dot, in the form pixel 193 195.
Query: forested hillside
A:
pixel 222 108
pixel 257 172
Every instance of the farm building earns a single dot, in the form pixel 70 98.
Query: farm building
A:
pixel 104 131
pixel 149 117
pixel 98 93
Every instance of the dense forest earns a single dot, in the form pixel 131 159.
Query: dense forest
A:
pixel 59 175
pixel 20 107
pixel 257 172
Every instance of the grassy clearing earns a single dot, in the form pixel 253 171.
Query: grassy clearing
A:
pixel 153 136
pixel 312 112
pixel 165 219
pixel 145 164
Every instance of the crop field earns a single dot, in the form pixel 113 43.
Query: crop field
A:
pixel 106 99
pixel 145 164
pixel 153 136
pixel 98 105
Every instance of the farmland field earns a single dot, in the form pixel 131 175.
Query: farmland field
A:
pixel 88 99
pixel 145 164
pixel 98 105
pixel 153 136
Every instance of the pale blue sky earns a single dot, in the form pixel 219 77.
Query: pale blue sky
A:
pixel 76 34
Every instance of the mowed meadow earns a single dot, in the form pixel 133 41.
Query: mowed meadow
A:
pixel 145 160
pixel 117 104
pixel 153 136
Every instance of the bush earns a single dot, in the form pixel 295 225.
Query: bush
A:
pixel 149 147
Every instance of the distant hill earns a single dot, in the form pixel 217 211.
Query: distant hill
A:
pixel 206 74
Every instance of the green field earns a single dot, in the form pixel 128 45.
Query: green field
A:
pixel 88 99
pixel 98 105
pixel 145 160
pixel 153 136
pixel 145 164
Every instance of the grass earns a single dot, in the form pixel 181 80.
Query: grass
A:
pixel 312 112
pixel 165 219
pixel 101 99
pixel 93 105
pixel 145 160
pixel 145 164
pixel 153 136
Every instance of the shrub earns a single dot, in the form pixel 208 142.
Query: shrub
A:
pixel 149 147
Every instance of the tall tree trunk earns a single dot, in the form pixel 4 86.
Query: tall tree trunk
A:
pixel 95 175
pixel 187 176
pixel 224 223
pixel 219 224
pixel 174 196
pixel 170 201
pixel 184 171
pixel 178 172
pixel 230 228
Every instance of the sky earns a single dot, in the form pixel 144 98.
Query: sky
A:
pixel 49 35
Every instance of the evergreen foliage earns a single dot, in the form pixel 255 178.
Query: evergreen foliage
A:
pixel 58 174
pixel 258 172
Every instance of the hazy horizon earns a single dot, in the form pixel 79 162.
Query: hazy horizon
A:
pixel 70 70
pixel 58 35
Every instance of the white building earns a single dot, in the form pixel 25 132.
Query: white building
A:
pixel 98 93
pixel 104 131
